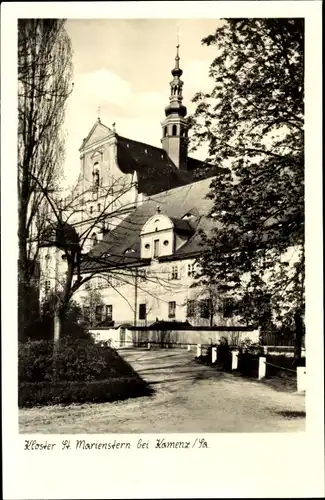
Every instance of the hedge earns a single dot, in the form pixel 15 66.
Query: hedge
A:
pixel 71 360
pixel 74 371
pixel 67 392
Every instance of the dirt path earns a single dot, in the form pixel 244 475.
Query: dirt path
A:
pixel 188 398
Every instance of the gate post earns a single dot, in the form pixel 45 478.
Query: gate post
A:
pixel 213 355
pixel 149 346
pixel 189 347
pixel 234 360
pixel 198 350
pixel 261 367
pixel 301 378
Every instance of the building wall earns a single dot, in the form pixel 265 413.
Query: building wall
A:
pixel 159 290
pixel 123 337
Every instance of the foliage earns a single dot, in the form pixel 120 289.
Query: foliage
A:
pixel 91 301
pixel 98 391
pixel 253 123
pixel 76 371
pixel 73 326
pixel 72 360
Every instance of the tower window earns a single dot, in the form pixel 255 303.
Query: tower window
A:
pixel 174 130
pixel 98 207
pixel 91 209
pixel 165 131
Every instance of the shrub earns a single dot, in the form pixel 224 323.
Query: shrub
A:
pixel 224 354
pixel 35 361
pixel 248 364
pixel 72 360
pixel 282 366
pixel 75 371
pixel 67 392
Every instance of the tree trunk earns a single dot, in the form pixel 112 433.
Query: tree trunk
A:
pixel 299 332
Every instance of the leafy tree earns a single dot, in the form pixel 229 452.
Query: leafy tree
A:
pixel 253 122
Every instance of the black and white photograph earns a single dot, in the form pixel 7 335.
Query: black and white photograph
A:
pixel 160 239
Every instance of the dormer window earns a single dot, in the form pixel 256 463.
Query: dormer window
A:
pixel 157 237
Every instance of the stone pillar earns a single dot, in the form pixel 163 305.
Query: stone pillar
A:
pixel 261 367
pixel 234 360
pixel 301 378
pixel 189 347
pixel 213 354
pixel 198 350
pixel 149 346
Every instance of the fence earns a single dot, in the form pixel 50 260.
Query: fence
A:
pixel 256 365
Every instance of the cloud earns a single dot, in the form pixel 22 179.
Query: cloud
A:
pixel 134 113
pixel 137 115
pixel 196 77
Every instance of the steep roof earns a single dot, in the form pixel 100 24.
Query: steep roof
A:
pixel 121 246
pixel 155 170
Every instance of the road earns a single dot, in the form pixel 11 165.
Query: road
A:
pixel 189 397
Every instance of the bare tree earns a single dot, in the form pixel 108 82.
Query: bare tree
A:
pixel 73 232
pixel 44 73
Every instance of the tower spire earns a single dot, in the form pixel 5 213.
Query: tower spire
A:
pixel 175 125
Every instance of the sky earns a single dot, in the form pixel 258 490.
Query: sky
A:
pixel 123 67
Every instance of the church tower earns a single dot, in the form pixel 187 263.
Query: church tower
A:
pixel 175 126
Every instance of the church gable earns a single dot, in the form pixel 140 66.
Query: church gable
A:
pixel 97 133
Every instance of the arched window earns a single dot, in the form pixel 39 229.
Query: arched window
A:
pixel 165 131
pixel 174 130
pixel 94 239
pixel 96 175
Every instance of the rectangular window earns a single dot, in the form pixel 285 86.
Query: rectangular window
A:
pixel 171 309
pixel 190 313
pixel 109 312
pixel 205 308
pixel 142 311
pixel 91 209
pixel 190 270
pixel 98 207
pixel 47 287
pixel 99 314
pixel 156 249
pixel 175 273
